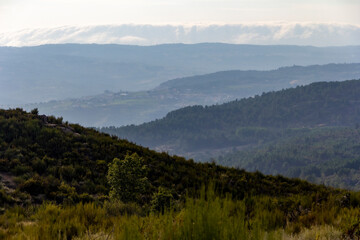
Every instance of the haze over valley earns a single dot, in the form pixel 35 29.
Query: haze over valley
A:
pixel 55 72
pixel 125 108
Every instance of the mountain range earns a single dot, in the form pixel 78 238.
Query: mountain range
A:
pixel 123 108
pixel 56 72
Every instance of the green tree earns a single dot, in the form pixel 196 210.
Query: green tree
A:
pixel 161 200
pixel 127 178
pixel 35 111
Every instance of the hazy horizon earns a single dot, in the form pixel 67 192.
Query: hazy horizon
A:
pixel 304 34
pixel 141 22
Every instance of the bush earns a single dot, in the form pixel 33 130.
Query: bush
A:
pixel 117 208
pixel 127 178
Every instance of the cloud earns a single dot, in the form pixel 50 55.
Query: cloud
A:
pixel 132 40
pixel 315 34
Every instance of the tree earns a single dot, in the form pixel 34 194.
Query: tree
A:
pixel 127 178
pixel 35 111
pixel 161 200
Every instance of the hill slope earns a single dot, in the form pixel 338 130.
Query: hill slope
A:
pixel 123 108
pixel 311 116
pixel 255 82
pixel 248 120
pixel 42 158
pixel 322 155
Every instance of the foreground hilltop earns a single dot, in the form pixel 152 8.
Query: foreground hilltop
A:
pixel 44 158
pixel 74 168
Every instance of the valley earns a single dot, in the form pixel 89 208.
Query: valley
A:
pixel 125 107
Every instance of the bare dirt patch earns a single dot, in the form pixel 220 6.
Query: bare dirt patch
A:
pixel 7 180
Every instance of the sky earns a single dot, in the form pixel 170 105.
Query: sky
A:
pixel 17 15
pixel 146 22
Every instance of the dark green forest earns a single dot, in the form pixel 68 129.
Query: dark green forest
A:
pixel 251 120
pixel 308 132
pixel 329 155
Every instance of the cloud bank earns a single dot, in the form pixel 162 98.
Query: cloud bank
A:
pixel 315 34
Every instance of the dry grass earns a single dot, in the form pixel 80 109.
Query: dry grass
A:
pixel 316 233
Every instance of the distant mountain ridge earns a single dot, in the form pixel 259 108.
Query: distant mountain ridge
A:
pixel 54 72
pixel 123 108
pixel 295 33
pixel 277 78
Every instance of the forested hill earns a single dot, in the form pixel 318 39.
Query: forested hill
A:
pixel 251 120
pixel 329 155
pixel 250 82
pixel 55 179
pixel 44 158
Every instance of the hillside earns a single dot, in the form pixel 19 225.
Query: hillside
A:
pixel 312 114
pixel 249 83
pixel 43 158
pixel 63 167
pixel 250 120
pixel 123 108
pixel 329 156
